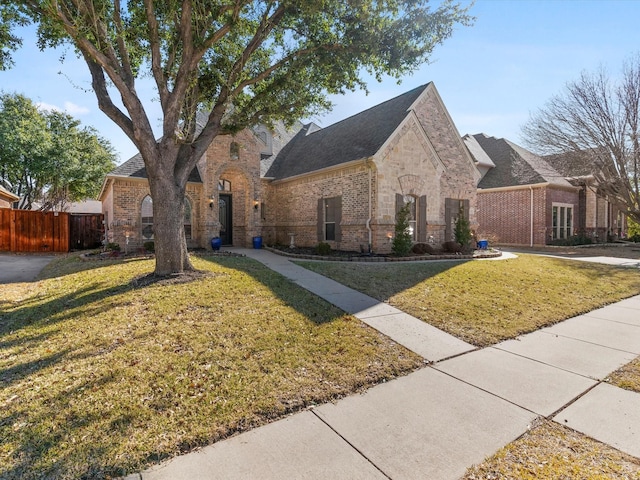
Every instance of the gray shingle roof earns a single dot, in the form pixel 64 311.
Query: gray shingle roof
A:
pixel 572 164
pixel 134 167
pixel 515 166
pixel 354 138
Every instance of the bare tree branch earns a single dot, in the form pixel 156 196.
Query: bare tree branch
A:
pixel 599 121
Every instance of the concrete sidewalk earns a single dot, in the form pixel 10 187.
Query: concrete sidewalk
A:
pixel 436 422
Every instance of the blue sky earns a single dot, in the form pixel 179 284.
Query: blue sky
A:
pixel 491 76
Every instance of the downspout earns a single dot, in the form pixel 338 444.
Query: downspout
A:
pixel 368 224
pixel 531 216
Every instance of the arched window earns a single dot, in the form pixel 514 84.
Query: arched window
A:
pixel 224 185
pixel 187 219
pixel 234 151
pixel 146 212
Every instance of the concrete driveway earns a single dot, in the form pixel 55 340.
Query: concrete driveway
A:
pixel 21 268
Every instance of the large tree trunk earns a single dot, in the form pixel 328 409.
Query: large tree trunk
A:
pixel 168 226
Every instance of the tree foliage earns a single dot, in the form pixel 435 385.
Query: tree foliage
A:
pixel 47 157
pixel 242 61
pixel 595 122
pixel 10 17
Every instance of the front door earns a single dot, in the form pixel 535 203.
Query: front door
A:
pixel 226 224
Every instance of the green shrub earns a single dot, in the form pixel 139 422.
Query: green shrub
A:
pixel 634 231
pixel 423 249
pixel 462 231
pixel 452 247
pixel 149 247
pixel 572 241
pixel 418 249
pixel 402 241
pixel 634 238
pixel 323 248
pixel 114 247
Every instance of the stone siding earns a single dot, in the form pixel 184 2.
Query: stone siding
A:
pixel 460 177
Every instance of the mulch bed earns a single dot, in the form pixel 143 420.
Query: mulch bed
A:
pixel 309 253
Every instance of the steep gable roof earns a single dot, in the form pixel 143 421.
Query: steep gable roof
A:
pixel 134 168
pixel 354 138
pixel 515 166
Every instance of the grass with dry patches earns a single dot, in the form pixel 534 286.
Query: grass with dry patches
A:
pixel 485 302
pixel 628 376
pixel 102 376
pixel 552 452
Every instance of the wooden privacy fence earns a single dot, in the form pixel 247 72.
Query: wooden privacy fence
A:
pixel 34 231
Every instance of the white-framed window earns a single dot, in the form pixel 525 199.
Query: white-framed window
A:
pixel 224 185
pixel 561 221
pixel 146 212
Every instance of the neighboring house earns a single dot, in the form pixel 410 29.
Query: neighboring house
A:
pixel 342 184
pixel 7 198
pixel 601 217
pixel 524 199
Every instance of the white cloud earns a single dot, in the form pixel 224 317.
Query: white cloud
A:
pixel 69 107
pixel 73 109
pixel 47 107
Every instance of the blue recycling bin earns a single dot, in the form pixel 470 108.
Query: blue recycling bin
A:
pixel 216 243
pixel 257 242
pixel 483 244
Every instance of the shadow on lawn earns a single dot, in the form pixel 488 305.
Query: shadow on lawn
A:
pixel 35 436
pixel 287 291
pixel 495 275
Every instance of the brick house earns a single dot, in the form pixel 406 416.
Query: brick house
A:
pixel 7 198
pixel 341 184
pixel 524 199
pixel 601 217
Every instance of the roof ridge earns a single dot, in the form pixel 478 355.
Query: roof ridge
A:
pixel 377 106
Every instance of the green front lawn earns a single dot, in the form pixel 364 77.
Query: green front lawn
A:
pixel 485 302
pixel 103 375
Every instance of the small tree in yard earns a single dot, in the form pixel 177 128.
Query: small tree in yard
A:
pixel 242 61
pixel 462 231
pixel 402 241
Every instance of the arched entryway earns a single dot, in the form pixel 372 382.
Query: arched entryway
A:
pixel 235 206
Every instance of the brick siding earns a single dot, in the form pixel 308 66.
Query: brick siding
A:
pixel 437 166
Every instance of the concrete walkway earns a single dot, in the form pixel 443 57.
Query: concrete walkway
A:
pixel 16 268
pixel 436 422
